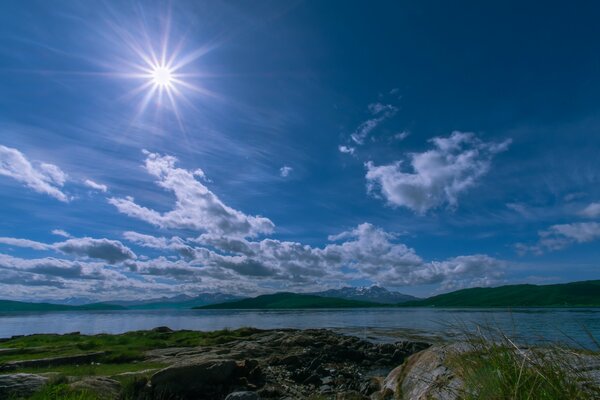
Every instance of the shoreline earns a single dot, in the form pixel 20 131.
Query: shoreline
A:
pixel 268 364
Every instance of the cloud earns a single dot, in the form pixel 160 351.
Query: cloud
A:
pixel 400 136
pixel 436 176
pixel 96 186
pixel 591 211
pixel 380 113
pixel 347 149
pixel 196 207
pixel 365 252
pixel 111 251
pixel 285 171
pixel 43 178
pixel 558 237
pixel 160 243
pixel 60 232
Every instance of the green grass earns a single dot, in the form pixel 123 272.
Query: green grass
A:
pixel 575 294
pixel 496 369
pixel 60 391
pixel 290 301
pixel 120 349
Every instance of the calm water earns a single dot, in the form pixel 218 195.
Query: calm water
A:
pixel 531 325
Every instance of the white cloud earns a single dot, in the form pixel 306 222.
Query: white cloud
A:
pixel 96 186
pixel 43 178
pixel 346 149
pixel 400 136
pixel 196 207
pixel 60 232
pixel 436 176
pixel 160 243
pixel 285 171
pixel 560 236
pixel 380 113
pixel 111 251
pixel 591 211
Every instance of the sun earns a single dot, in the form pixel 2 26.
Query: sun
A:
pixel 162 77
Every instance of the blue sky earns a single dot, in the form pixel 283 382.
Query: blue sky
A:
pixel 422 146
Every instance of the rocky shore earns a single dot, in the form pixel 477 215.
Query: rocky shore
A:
pixel 270 364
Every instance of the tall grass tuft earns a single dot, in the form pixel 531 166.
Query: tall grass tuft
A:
pixel 496 368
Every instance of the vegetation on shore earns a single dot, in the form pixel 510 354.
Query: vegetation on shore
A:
pixel 497 368
pixel 117 350
pixel 574 294
pixel 291 301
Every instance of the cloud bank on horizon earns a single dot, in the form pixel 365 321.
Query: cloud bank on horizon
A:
pixel 168 154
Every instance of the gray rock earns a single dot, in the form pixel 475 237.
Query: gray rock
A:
pixel 242 396
pixel 199 377
pixel 104 388
pixel 51 361
pixel 427 375
pixel 20 385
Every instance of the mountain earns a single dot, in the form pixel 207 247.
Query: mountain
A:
pixel 375 294
pixel 290 300
pixel 176 302
pixel 9 305
pixel 574 294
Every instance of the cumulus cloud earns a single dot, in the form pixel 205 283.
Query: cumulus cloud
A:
pixel 436 176
pixel 42 177
pixel 591 211
pixel 285 171
pixel 196 207
pixel 379 112
pixel 111 251
pixel 560 236
pixel 365 252
pixel 96 186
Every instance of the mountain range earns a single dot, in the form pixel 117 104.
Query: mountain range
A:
pixel 574 294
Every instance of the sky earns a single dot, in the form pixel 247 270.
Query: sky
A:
pixel 154 149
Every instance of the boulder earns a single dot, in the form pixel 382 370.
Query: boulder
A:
pixel 20 385
pixel 104 388
pixel 200 379
pixel 242 396
pixel 426 375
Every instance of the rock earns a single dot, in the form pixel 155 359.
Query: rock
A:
pixel 46 362
pixel 104 388
pixel 350 395
pixel 242 396
pixel 162 329
pixel 427 375
pixel 20 385
pixel 203 379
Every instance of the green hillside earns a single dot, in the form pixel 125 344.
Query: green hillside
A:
pixel 290 300
pixel 8 305
pixel 575 294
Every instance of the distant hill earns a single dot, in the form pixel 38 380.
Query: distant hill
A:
pixel 290 300
pixel 9 305
pixel 575 294
pixel 177 302
pixel 375 294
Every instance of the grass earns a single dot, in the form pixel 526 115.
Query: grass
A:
pixel 125 348
pixel 498 369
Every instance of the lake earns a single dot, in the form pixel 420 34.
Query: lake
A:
pixel 532 325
